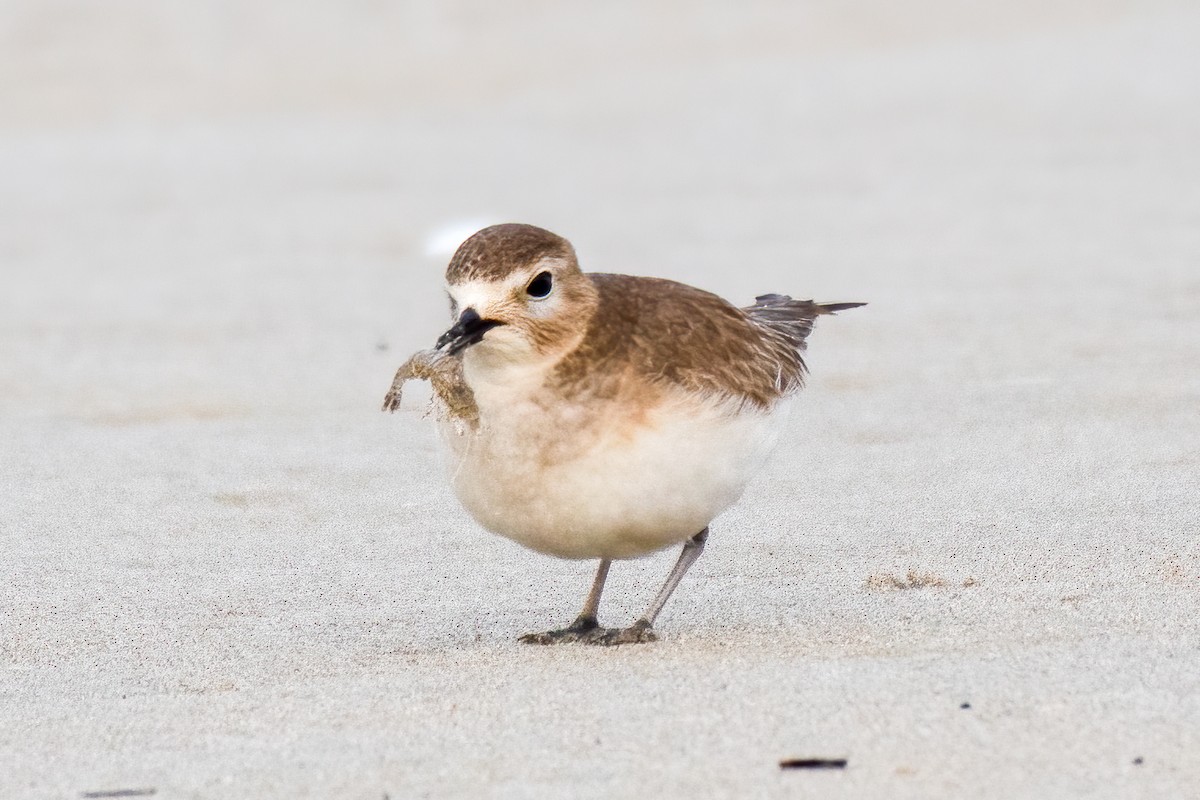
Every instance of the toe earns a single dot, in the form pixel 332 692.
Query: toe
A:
pixel 586 631
pixel 560 636
pixel 639 632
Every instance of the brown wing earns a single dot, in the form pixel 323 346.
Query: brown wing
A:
pixel 649 331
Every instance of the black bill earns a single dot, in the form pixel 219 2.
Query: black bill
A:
pixel 469 330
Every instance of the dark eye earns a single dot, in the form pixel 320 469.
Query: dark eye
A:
pixel 540 286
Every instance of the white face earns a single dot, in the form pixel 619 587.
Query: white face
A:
pixel 520 301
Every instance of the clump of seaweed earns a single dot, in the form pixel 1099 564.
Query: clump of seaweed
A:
pixel 453 398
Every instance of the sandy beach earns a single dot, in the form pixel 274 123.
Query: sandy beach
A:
pixel 971 569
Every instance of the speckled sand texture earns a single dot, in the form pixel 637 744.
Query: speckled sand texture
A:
pixel 225 574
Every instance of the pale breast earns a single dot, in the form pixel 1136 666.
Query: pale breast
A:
pixel 598 482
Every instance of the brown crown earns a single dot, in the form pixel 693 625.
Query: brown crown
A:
pixel 499 250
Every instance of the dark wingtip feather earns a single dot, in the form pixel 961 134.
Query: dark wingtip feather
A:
pixel 833 308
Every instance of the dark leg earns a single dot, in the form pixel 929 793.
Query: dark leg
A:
pixel 642 630
pixel 585 623
pixel 692 549
pixel 586 629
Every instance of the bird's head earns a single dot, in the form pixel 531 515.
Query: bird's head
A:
pixel 516 294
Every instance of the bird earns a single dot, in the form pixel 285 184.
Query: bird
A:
pixel 603 416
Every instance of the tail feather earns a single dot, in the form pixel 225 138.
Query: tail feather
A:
pixel 791 319
pixel 833 308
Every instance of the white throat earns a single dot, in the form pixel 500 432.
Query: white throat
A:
pixel 497 378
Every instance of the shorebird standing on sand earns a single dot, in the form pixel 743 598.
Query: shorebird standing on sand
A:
pixel 603 416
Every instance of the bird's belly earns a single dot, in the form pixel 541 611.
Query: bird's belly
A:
pixel 627 491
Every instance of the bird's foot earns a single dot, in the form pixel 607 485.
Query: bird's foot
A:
pixel 586 630
pixel 639 632
pixel 581 627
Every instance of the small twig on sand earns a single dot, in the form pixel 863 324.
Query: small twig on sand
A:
pixel 813 763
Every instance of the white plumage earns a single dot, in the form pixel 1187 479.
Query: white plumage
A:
pixel 624 491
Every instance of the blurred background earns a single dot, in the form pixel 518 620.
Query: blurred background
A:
pixel 223 225
pixel 221 203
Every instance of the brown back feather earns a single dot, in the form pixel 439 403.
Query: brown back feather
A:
pixel 649 332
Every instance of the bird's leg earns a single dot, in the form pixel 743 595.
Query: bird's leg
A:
pixel 642 630
pixel 586 629
pixel 585 623
pixel 692 549
pixel 587 618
